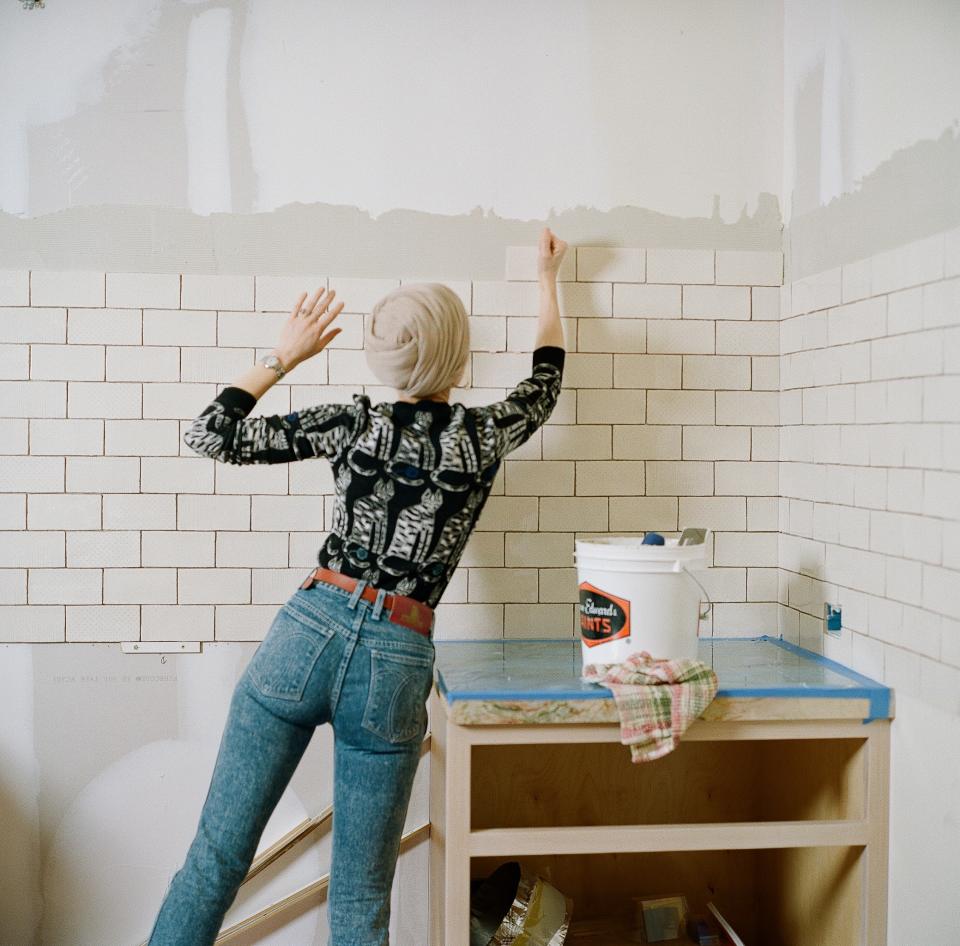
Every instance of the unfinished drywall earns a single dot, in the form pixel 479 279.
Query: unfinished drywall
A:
pixel 107 760
pixel 370 139
pixel 871 128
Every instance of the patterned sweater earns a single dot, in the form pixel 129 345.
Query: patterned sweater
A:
pixel 411 479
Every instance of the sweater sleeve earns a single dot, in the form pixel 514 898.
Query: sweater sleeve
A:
pixel 505 425
pixel 225 433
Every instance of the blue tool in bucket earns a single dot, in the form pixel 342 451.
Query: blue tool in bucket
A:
pixel 640 593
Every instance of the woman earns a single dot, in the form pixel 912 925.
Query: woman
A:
pixel 353 645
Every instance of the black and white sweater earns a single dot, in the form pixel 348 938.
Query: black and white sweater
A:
pixel 411 479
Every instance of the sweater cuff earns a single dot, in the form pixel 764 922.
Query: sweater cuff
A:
pixel 549 354
pixel 231 397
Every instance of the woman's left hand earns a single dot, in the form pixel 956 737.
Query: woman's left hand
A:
pixel 305 333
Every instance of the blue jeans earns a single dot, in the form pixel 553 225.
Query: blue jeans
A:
pixel 329 656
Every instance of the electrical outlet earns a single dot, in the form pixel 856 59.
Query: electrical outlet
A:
pixel 832 619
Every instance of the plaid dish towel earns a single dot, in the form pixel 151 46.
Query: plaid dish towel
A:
pixel 656 699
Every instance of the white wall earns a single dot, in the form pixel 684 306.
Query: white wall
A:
pixel 870 378
pixel 438 107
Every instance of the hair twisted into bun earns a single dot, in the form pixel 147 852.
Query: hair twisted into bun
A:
pixel 417 339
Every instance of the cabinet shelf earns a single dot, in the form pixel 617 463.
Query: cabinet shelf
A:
pixel 668 837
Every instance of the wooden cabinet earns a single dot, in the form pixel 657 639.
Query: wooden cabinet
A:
pixel 774 805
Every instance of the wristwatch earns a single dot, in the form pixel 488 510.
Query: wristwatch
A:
pixel 272 361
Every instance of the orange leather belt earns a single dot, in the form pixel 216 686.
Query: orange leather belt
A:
pixel 402 610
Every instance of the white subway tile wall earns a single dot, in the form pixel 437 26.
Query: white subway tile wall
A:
pixel 112 529
pixel 869 513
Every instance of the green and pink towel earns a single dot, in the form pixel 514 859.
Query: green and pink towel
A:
pixel 656 699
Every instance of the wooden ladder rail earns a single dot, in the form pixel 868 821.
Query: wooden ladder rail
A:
pixel 286 843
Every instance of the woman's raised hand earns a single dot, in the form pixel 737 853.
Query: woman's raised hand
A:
pixel 552 249
pixel 305 333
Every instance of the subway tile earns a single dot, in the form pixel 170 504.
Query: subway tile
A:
pixel 577 442
pixel 711 372
pixel 217 291
pixel 142 363
pixel 716 443
pixel 57 437
pixel 502 584
pixel 634 301
pixel 469 621
pixel 33 398
pixel 748 338
pixel 612 335
pixel 748 407
pixel 539 477
pixel 716 302
pixel 611 407
pixel 719 513
pixel 610 264
pixel 680 407
pixel 14 287
pixel 33 325
pixel 558 585
pixel 941 304
pixel 610 477
pixel 87 623
pixel 643 513
pixel 15 362
pixel 173 327
pixel 539 620
pixel 70 288
pixel 647 371
pixel 143 290
pixel 679 478
pixel 280 293
pixel 919 261
pixel 818 291
pixel 491 297
pixel 682 337
pixel 104 326
pixel 680 266
pixel 753 478
pixel 566 513
pixel 765 303
pixel 62 511
pixel 638 441
pixel 587 370
pixel 750 267
pixel 63 586
pixel 584 300
pixel 543 549
pixel 139 586
pixel 501 513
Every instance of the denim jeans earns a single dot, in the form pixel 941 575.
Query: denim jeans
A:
pixel 329 656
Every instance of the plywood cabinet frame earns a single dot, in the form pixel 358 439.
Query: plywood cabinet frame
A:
pixel 453 843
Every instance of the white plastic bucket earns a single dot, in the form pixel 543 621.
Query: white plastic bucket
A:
pixel 637 597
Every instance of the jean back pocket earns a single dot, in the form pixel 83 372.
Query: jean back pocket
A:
pixel 284 661
pixel 400 683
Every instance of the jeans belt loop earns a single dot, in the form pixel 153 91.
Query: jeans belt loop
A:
pixel 355 594
pixel 378 604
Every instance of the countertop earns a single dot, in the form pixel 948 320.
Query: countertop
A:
pixel 538 680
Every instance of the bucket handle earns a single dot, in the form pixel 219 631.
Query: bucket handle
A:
pixel 706 594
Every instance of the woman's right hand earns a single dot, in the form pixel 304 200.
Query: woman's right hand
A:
pixel 552 249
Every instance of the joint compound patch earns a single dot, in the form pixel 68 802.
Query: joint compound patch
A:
pixel 603 616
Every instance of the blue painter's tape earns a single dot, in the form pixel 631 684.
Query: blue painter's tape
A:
pixel 533 679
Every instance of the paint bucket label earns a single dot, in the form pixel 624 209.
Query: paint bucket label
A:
pixel 603 616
